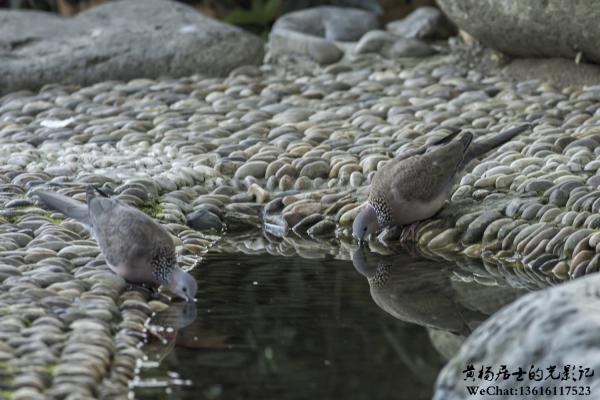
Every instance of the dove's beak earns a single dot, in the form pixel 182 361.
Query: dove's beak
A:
pixel 360 238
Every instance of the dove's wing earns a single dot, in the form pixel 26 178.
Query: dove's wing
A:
pixel 424 177
pixel 416 188
pixel 129 238
pixel 428 147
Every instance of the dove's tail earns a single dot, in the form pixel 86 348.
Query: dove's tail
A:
pixel 466 139
pixel 92 191
pixel 448 138
pixel 481 147
pixel 66 205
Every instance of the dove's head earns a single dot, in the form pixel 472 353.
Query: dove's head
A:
pixel 365 223
pixel 182 284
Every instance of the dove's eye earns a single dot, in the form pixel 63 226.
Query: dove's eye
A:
pixel 365 229
pixel 185 289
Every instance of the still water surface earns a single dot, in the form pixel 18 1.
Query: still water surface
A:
pixel 274 327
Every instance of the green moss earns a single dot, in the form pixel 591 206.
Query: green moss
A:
pixel 258 18
pixel 6 394
pixel 51 369
pixel 151 207
pixel 12 219
pixel 49 215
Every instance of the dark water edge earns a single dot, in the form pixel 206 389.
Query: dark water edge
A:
pixel 274 327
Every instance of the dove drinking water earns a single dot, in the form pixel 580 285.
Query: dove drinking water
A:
pixel 412 188
pixel 135 246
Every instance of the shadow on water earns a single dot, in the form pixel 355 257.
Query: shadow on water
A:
pixel 274 327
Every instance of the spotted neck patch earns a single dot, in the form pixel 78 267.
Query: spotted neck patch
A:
pixel 381 276
pixel 162 262
pixel 382 210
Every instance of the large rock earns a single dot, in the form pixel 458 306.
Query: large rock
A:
pixel 314 31
pixel 118 40
pixel 555 327
pixel 390 45
pixel 331 23
pixel 530 27
pixel 423 23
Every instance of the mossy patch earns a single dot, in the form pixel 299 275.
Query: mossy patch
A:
pixel 6 394
pixel 51 369
pixel 13 219
pixel 22 210
pixel 49 215
pixel 151 207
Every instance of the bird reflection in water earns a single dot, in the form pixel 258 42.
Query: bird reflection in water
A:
pixel 164 327
pixel 166 330
pixel 165 324
pixel 426 292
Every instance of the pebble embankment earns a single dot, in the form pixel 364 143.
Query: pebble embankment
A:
pixel 268 147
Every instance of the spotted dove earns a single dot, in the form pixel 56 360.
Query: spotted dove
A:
pixel 135 246
pixel 414 187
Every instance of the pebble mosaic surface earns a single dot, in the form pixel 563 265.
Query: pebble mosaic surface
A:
pixel 290 151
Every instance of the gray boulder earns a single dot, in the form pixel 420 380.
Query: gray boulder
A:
pixel 530 27
pixel 118 40
pixel 284 42
pixel 331 23
pixel 313 32
pixel 423 23
pixel 390 45
pixel 553 327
